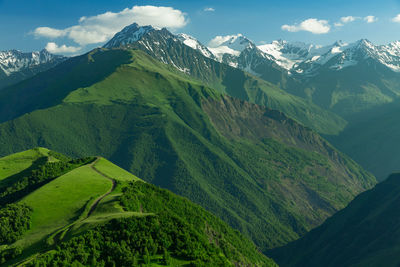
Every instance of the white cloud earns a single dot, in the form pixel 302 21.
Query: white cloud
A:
pixel 396 19
pixel 102 27
pixel 49 32
pixel 55 49
pixel 348 19
pixel 314 26
pixel 370 19
pixel 345 20
pixel 209 9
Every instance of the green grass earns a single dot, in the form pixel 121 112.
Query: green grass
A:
pixel 60 202
pixel 110 169
pixel 18 162
pixel 167 222
pixel 59 217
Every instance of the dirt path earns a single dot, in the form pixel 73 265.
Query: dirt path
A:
pixel 100 198
pixel 59 234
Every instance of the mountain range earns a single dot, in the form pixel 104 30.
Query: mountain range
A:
pixel 16 66
pixel 344 78
pixel 232 126
pixel 356 81
pixel 124 103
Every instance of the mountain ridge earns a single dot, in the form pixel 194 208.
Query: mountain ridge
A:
pixel 16 66
pixel 117 218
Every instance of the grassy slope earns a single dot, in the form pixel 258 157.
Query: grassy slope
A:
pixel 65 201
pixel 18 162
pixel 60 210
pixel 52 210
pixel 366 233
pixel 149 118
pixel 175 218
pixel 110 169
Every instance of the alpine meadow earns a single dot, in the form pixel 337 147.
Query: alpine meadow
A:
pixel 140 134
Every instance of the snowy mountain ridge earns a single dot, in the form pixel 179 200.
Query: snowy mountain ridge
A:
pixel 14 61
pixel 295 58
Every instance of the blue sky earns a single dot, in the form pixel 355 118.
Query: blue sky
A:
pixel 32 24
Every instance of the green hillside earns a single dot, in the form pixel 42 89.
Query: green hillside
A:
pixel 366 233
pixel 15 163
pixel 98 209
pixel 380 129
pixel 350 90
pixel 177 133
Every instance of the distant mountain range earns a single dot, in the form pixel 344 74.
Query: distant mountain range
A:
pixel 16 66
pixel 344 78
pixel 305 60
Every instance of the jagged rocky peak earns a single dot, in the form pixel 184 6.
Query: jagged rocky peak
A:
pixel 231 44
pixel 296 58
pixel 195 44
pixel 128 35
pixel 14 60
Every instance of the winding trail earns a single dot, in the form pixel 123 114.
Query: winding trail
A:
pixel 100 198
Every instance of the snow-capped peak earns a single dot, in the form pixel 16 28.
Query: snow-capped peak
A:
pixel 129 34
pixel 236 42
pixel 307 59
pixel 195 44
pixel 231 44
pixel 288 55
pixel 14 61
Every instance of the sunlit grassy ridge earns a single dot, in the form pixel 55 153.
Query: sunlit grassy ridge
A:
pixel 87 202
pixel 18 162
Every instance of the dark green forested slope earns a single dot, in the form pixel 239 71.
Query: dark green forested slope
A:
pixel 174 232
pixel 370 137
pixel 72 218
pixel 258 170
pixel 366 233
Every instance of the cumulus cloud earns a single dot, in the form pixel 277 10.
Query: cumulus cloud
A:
pixel 345 20
pixel 63 49
pixel 370 19
pixel 49 32
pixel 396 19
pixel 314 26
pixel 209 9
pixel 102 27
pixel 348 19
